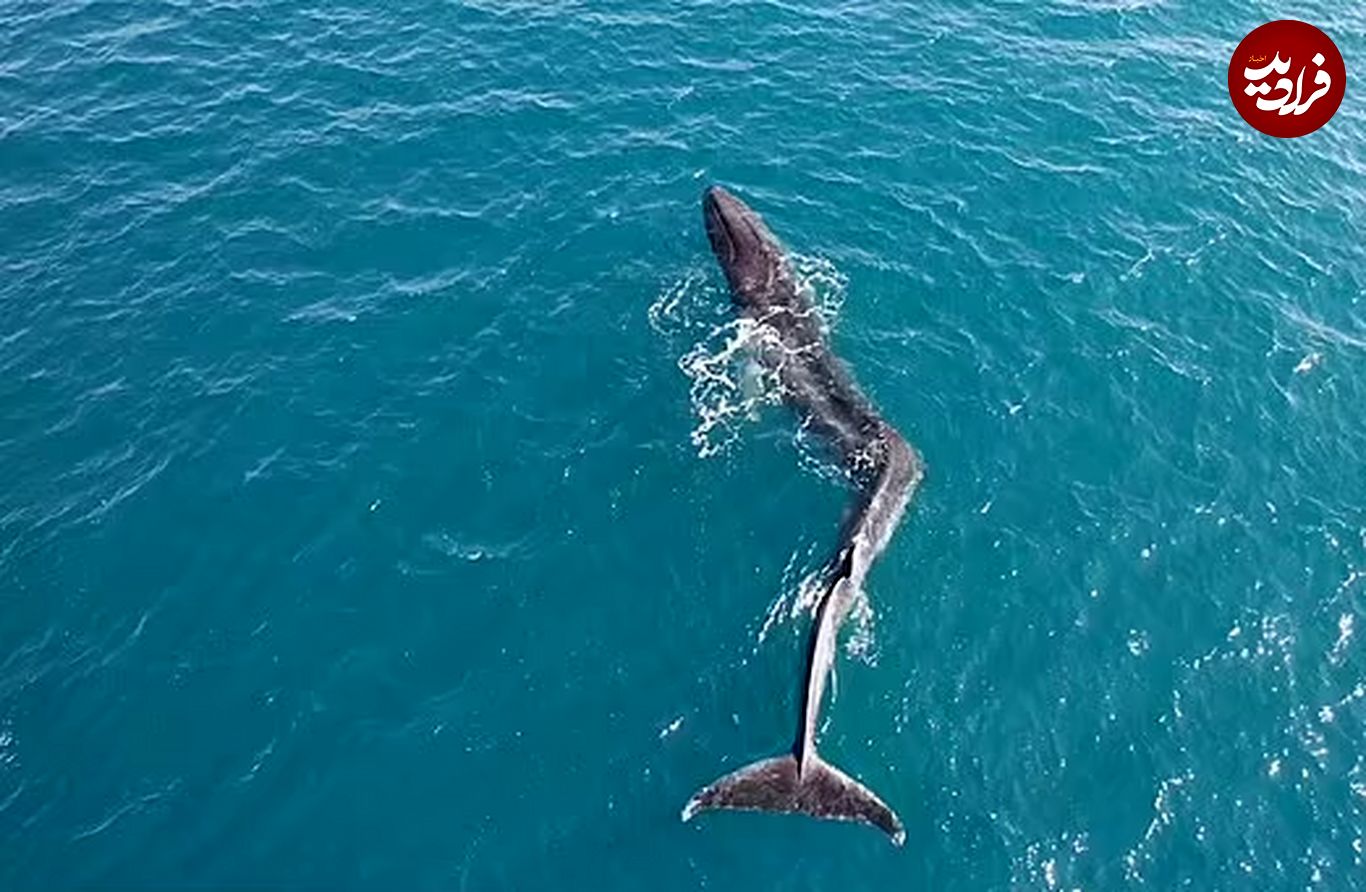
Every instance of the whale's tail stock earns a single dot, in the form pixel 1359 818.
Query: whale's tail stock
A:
pixel 802 782
pixel 810 787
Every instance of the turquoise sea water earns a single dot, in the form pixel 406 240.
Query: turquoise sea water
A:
pixel 383 506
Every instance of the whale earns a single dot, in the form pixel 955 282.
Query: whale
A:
pixel 885 471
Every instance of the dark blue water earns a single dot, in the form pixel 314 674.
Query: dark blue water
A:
pixel 387 504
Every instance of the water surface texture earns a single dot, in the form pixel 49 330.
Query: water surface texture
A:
pixel 387 503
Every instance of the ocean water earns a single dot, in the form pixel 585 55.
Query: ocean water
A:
pixel 387 505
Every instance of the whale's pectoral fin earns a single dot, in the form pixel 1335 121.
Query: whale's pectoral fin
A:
pixel 823 791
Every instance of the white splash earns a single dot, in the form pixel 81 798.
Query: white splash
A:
pixel 9 755
pixel 671 727
pixel 1137 642
pixel 1308 363
pixel 727 387
pixel 723 396
pixel 1164 815
pixel 672 310
pixel 1346 627
pixel 862 643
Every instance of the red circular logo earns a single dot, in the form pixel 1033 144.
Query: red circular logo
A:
pixel 1287 78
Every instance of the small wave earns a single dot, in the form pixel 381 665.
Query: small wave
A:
pixel 9 755
pixel 473 552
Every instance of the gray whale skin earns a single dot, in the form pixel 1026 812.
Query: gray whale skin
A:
pixel 886 470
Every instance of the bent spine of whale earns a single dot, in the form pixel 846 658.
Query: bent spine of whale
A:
pixel 883 464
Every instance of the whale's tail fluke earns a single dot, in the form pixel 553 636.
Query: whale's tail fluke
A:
pixel 781 784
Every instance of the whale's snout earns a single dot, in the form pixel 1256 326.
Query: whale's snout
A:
pixel 717 202
pixel 723 214
pixel 738 236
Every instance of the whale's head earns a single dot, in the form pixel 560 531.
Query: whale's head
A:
pixel 751 256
